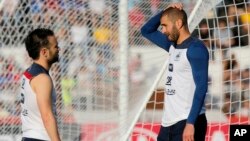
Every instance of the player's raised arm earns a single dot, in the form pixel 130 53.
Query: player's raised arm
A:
pixel 151 32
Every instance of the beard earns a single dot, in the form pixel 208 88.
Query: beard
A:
pixel 174 36
pixel 54 59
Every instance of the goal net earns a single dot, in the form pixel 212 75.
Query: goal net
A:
pixel 225 31
pixel 92 102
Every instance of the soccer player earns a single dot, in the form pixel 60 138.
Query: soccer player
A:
pixel 187 75
pixel 38 97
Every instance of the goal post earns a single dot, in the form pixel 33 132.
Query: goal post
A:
pixel 1 4
pixel 202 7
pixel 124 81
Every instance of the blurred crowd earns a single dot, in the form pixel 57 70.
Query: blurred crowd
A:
pixel 88 34
pixel 229 30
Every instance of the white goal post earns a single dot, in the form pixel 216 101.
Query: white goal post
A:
pixel 1 3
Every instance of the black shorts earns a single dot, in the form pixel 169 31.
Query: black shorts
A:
pixel 174 132
pixel 31 139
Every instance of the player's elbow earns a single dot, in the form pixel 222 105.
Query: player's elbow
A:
pixel 144 31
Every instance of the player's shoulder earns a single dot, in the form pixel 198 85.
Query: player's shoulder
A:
pixel 38 74
pixel 35 70
pixel 42 79
pixel 198 45
pixel 197 49
pixel 197 42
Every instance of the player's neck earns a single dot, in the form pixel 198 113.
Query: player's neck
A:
pixel 43 63
pixel 183 36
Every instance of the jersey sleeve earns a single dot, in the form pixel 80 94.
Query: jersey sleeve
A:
pixel 150 31
pixel 198 57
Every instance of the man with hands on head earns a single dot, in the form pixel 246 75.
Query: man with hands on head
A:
pixel 187 75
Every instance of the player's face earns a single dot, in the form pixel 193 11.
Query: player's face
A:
pixel 53 50
pixel 169 29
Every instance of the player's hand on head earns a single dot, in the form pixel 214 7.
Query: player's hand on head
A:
pixel 178 5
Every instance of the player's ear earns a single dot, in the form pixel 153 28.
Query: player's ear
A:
pixel 179 23
pixel 44 51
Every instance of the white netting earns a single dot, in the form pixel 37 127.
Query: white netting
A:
pixel 225 31
pixel 87 77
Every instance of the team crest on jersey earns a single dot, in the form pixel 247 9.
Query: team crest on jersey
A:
pixel 178 56
pixel 171 67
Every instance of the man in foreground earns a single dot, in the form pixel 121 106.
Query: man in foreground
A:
pixel 38 97
pixel 187 75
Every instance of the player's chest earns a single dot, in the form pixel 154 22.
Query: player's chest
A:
pixel 178 60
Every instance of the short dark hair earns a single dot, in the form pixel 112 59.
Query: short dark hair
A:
pixel 36 40
pixel 175 14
